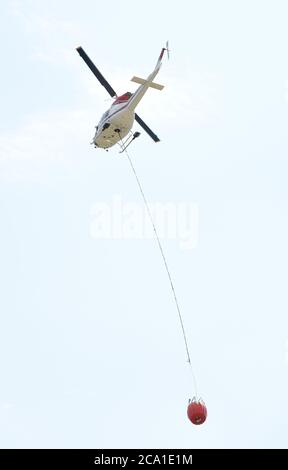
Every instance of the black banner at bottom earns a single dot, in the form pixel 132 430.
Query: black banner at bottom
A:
pixel 126 458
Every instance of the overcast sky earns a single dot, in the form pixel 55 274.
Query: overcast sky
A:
pixel 91 350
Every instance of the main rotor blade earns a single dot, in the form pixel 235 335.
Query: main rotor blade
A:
pixel 146 128
pixel 96 72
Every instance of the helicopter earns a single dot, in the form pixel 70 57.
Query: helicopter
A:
pixel 116 123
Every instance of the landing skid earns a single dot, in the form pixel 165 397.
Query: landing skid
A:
pixel 128 141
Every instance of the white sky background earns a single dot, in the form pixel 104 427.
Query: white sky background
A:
pixel 91 352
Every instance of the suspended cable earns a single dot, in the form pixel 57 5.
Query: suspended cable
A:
pixel 167 269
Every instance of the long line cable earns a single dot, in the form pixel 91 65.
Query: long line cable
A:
pixel 167 269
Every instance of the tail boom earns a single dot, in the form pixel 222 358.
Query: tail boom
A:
pixel 148 83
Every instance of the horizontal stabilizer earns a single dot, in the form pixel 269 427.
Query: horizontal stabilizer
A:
pixel 141 81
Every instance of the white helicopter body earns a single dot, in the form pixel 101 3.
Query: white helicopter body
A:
pixel 117 122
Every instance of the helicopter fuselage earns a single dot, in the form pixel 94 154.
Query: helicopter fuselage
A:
pixel 114 125
pixel 117 122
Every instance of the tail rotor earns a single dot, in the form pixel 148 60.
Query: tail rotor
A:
pixel 168 50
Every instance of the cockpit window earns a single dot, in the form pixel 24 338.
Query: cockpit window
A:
pixel 105 115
